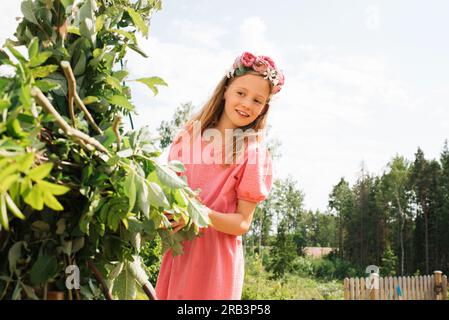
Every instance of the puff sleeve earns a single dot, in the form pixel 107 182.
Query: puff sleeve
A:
pixel 256 176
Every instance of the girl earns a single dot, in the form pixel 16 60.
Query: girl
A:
pixel 212 265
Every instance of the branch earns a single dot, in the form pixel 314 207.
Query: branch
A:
pixel 80 137
pixel 100 280
pixel 73 95
pixel 71 84
pixel 149 291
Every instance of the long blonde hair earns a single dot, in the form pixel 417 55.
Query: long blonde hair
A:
pixel 214 107
pixel 212 110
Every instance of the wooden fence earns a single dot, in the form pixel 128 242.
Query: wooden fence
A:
pixel 432 287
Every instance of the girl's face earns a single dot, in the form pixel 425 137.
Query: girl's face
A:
pixel 245 99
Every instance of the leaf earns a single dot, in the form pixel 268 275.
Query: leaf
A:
pixel 144 204
pixel 125 153
pixel 13 207
pixel 35 198
pixel 41 171
pixel 176 166
pixel 138 21
pixel 114 83
pixel 16 53
pixel 51 202
pixel 33 48
pixel 180 198
pixel 67 3
pixel 80 65
pixel 156 195
pixel 42 72
pixel 43 269
pixel 125 285
pixel 14 254
pixel 126 34
pixel 40 58
pixel 6 183
pixel 169 177
pixel 78 244
pixel 137 49
pixel 29 291
pixel 87 29
pixel 152 82
pixel 198 213
pixel 55 189
pixel 3 214
pixel 74 30
pixel 121 101
pixel 47 86
pixel 28 11
pixel 100 22
pixel 14 129
pixel 40 226
pixel 138 273
pixel 130 189
pixel 16 294
pixel 120 74
pixel 90 100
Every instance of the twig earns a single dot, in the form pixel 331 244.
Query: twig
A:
pixel 71 84
pixel 80 137
pixel 100 280
pixel 115 126
pixel 64 163
pixel 149 291
pixel 73 95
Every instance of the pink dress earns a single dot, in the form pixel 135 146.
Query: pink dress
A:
pixel 212 265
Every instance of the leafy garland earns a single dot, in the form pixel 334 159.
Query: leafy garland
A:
pixel 74 188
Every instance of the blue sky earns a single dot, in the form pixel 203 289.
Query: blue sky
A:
pixel 364 79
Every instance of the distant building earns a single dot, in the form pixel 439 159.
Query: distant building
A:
pixel 317 252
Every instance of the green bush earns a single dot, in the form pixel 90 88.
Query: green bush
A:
pixel 259 283
pixel 335 268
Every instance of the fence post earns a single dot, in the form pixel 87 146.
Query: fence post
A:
pixel 346 289
pixel 444 287
pixel 438 285
pixel 373 286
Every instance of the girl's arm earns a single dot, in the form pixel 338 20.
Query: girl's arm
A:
pixel 237 223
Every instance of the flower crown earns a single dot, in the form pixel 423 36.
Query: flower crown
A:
pixel 261 64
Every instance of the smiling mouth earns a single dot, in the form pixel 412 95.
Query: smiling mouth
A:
pixel 242 114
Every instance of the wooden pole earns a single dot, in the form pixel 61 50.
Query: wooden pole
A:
pixel 438 285
pixel 444 287
pixel 99 277
pixel 346 289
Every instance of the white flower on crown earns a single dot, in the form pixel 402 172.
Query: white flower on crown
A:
pixel 230 72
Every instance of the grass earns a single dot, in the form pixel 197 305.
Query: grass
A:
pixel 259 285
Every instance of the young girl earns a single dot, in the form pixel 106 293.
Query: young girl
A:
pixel 212 265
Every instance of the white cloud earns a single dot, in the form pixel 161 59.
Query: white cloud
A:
pixel 252 38
pixel 199 32
pixel 8 22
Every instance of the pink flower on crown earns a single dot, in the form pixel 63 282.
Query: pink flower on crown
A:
pixel 268 61
pixel 281 78
pixel 260 65
pixel 275 89
pixel 247 59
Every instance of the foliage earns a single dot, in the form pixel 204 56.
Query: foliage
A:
pixel 260 284
pixel 389 263
pixel 168 129
pixel 75 187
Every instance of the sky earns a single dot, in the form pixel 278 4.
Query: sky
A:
pixel 365 80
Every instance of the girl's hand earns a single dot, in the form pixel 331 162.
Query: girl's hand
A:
pixel 176 225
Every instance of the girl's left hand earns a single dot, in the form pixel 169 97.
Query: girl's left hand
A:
pixel 176 225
